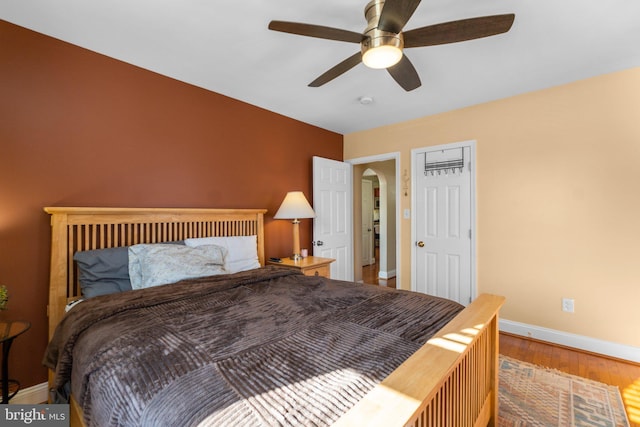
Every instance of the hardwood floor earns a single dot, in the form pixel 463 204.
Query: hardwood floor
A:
pixel 624 375
pixel 370 274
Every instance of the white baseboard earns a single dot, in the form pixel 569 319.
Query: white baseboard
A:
pixel 608 348
pixel 33 395
pixel 386 274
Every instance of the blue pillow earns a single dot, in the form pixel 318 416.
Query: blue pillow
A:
pixel 103 271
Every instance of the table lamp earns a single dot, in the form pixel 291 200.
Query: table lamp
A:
pixel 295 206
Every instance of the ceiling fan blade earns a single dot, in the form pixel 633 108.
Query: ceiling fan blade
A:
pixel 457 31
pixel 405 74
pixel 318 31
pixel 338 70
pixel 395 14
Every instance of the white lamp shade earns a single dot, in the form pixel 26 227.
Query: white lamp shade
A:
pixel 295 206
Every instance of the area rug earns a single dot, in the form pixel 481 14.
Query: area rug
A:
pixel 531 395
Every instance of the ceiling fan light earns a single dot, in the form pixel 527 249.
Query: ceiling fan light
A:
pixel 381 49
pixel 382 56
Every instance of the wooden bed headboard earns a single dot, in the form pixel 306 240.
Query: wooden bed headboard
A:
pixel 82 229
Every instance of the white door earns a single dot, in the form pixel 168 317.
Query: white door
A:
pixel 333 224
pixel 443 244
pixel 367 222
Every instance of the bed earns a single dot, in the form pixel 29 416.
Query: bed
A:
pixel 441 372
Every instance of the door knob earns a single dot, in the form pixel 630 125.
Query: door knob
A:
pixel 420 244
pixel 318 243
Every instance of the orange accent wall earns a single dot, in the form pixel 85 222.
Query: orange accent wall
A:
pixel 81 129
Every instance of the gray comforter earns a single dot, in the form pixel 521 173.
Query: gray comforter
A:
pixel 265 347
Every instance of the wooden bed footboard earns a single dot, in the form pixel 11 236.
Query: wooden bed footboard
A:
pixel 451 381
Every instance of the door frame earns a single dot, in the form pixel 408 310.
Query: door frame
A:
pixel 414 176
pixel 381 158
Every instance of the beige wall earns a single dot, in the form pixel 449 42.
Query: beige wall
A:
pixel 558 200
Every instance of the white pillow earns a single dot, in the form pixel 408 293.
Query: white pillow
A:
pixel 158 264
pixel 242 251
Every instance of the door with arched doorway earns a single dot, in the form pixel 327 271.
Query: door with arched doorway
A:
pixel 375 199
pixel 370 227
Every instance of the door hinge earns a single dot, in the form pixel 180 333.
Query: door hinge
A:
pixel 469 233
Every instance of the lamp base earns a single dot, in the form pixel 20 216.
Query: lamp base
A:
pixel 296 241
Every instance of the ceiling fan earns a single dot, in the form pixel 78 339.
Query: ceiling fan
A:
pixel 383 40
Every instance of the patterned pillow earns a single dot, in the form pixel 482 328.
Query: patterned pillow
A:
pixel 158 264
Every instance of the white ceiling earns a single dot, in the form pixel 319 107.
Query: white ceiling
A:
pixel 225 46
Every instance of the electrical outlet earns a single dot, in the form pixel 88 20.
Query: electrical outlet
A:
pixel 568 305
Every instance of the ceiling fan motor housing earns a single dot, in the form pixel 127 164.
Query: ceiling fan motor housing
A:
pixel 378 40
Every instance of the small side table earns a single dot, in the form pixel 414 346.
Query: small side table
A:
pixel 9 330
pixel 310 266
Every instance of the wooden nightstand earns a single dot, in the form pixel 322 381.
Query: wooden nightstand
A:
pixel 310 266
pixel 9 330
